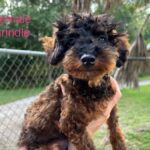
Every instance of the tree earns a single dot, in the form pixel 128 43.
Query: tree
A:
pixel 81 5
pixel 129 73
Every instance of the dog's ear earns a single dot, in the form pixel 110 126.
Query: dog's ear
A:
pixel 57 54
pixel 53 45
pixel 53 49
pixel 123 50
pixel 58 51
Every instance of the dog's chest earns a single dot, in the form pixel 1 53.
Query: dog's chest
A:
pixel 91 101
pixel 92 94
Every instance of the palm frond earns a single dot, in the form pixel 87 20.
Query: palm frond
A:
pixel 128 75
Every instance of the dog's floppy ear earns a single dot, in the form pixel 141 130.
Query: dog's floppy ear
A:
pixel 53 49
pixel 123 50
pixel 57 54
pixel 59 47
pixel 53 45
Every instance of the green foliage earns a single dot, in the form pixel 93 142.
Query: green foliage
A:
pixel 43 14
pixel 20 71
pixel 131 14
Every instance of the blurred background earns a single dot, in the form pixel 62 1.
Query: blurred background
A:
pixel 24 71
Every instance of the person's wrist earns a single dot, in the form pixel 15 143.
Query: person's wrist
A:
pixel 23 147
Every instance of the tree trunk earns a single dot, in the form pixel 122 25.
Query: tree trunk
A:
pixel 111 4
pixel 81 5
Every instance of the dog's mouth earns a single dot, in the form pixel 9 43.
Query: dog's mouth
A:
pixel 87 71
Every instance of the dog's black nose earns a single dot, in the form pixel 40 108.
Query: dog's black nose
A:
pixel 88 59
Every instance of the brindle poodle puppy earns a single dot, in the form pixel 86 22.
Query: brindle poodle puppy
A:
pixel 89 48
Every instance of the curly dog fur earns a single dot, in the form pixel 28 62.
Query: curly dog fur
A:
pixel 89 48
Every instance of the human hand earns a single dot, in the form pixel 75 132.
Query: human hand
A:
pixel 94 125
pixel 23 148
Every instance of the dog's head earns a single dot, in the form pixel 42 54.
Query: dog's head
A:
pixel 88 46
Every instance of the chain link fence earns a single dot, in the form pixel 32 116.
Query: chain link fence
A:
pixel 23 75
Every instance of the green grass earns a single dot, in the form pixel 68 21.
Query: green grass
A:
pixel 134 112
pixel 7 96
pixel 144 78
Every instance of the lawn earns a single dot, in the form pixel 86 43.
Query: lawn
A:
pixel 7 96
pixel 134 112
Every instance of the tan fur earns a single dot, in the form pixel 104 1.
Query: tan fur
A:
pixel 48 43
pixel 74 66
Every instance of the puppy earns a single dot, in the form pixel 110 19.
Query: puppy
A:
pixel 89 48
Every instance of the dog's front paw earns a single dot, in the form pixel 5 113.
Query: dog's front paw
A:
pixel 65 84
pixel 63 79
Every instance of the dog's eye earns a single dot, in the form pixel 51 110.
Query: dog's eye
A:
pixel 72 37
pixel 101 38
pixel 71 41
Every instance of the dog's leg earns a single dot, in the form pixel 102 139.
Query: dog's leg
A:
pixel 81 141
pixel 73 122
pixel 40 123
pixel 73 125
pixel 116 136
